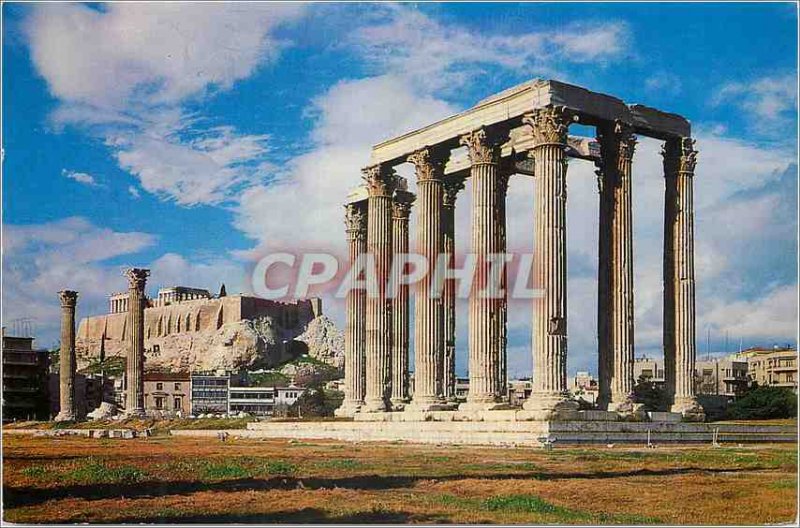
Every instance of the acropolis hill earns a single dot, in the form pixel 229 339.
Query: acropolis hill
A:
pixel 189 329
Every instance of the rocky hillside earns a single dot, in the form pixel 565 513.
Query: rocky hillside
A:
pixel 324 342
pixel 247 344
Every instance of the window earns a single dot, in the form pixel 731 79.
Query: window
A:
pixel 176 404
pixel 159 403
pixel 177 386
pixel 159 386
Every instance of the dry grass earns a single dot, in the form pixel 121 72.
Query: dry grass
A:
pixel 179 480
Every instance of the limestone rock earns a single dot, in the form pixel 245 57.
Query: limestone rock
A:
pixel 105 411
pixel 325 342
pixel 245 344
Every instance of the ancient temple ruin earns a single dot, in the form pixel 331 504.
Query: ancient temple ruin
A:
pixel 523 130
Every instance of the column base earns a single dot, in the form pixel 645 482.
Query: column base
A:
pixel 628 410
pixel 485 405
pixel 398 404
pixel 689 409
pixel 375 406
pixel 551 406
pixel 425 405
pixel 65 417
pixel 348 409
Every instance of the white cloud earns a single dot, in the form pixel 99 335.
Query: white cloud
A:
pixel 42 259
pixel 770 316
pixel 446 55
pixel 203 170
pixel 80 177
pixel 153 53
pixel 134 191
pixel 771 102
pixel 663 82
pixel 124 72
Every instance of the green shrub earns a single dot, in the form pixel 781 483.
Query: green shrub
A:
pixel 764 402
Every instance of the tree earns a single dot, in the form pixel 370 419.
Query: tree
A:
pixel 315 401
pixel 653 397
pixel 761 403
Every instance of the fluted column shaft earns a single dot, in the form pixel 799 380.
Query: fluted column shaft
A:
pixel 67 364
pixel 381 183
pixel 618 144
pixel 680 159
pixel 452 186
pixel 605 356
pixel 135 365
pixel 549 128
pixel 355 306
pixel 401 209
pixel 484 310
pixel 428 305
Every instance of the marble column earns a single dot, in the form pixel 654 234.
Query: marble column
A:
pixel 134 401
pixel 485 390
pixel 67 405
pixel 381 183
pixel 680 159
pixel 501 333
pixel 605 358
pixel 617 143
pixel 452 186
pixel 550 393
pixel 400 212
pixel 428 304
pixel 355 306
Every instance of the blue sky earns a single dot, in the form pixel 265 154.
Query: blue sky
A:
pixel 191 138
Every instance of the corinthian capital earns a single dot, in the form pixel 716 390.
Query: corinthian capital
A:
pixel 401 206
pixel 429 163
pixel 626 140
pixel 381 180
pixel 68 298
pixel 688 156
pixel 137 277
pixel 355 221
pixel 680 156
pixel 483 146
pixel 548 125
pixel 452 186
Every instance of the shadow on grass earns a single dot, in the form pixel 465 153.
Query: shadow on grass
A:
pixel 30 495
pixel 303 516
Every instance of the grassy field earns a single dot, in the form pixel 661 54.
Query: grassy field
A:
pixel 179 480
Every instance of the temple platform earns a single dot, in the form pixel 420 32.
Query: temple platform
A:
pixel 510 432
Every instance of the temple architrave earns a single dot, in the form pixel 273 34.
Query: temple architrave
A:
pixel 521 131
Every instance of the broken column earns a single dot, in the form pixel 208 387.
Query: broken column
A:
pixel 134 400
pixel 67 363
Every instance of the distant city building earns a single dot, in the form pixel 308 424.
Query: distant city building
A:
pixel 519 391
pixel 585 386
pixel 650 369
pixel 721 377
pixel 168 392
pixel 210 393
pixel 263 401
pixel 462 387
pixel 25 380
pixel 775 367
